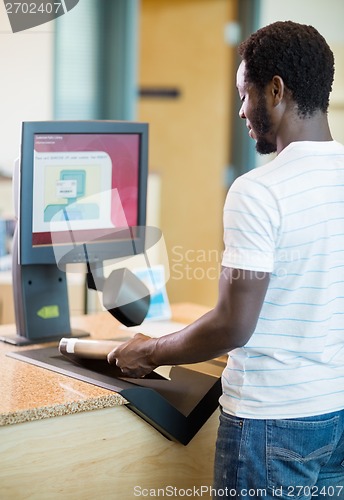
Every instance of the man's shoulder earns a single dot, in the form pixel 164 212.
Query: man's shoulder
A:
pixel 261 174
pixel 294 157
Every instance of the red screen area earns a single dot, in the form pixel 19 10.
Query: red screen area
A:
pixel 118 172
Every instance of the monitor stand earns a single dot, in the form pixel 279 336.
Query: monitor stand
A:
pixel 41 303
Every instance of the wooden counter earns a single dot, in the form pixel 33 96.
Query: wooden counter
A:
pixel 52 445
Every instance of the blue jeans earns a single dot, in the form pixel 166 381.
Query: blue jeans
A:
pixel 301 458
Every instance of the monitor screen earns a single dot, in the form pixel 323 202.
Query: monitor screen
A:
pixel 83 189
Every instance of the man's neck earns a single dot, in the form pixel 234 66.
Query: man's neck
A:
pixel 315 128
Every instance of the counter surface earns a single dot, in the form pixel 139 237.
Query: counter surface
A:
pixel 29 392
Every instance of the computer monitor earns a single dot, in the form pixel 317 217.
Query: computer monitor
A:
pixel 81 182
pixel 81 191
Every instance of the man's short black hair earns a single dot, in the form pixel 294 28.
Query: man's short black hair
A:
pixel 299 55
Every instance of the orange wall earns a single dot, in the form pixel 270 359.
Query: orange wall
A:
pixel 182 45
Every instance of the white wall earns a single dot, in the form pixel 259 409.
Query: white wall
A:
pixel 327 17
pixel 26 62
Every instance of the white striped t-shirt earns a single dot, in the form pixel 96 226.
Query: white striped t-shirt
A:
pixel 287 218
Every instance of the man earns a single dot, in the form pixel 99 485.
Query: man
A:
pixel 280 311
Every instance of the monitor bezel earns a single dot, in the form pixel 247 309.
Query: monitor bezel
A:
pixel 96 252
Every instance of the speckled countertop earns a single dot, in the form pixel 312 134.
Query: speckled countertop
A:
pixel 29 392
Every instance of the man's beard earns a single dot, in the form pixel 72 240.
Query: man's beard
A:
pixel 261 124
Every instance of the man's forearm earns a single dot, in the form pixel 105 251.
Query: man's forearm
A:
pixel 204 339
pixel 229 325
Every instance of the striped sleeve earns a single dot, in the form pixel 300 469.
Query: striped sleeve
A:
pixel 251 226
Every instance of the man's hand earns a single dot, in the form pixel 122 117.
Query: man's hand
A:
pixel 228 326
pixel 135 357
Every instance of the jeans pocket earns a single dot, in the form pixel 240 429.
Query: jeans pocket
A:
pixel 227 446
pixel 296 451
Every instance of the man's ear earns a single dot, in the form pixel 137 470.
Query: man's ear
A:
pixel 277 89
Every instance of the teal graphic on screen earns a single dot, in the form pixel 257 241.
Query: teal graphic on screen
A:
pixel 70 188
